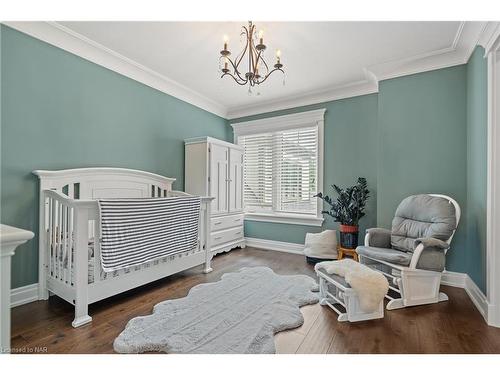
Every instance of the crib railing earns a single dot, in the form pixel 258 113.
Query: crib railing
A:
pixel 70 224
pixel 66 229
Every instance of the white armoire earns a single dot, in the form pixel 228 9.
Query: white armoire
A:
pixel 215 168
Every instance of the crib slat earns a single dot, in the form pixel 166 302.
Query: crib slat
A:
pixel 49 238
pixel 53 236
pixel 71 246
pixel 59 239
pixel 64 242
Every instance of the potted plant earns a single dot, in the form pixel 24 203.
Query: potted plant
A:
pixel 347 209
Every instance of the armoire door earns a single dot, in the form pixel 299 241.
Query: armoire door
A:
pixel 235 180
pixel 219 178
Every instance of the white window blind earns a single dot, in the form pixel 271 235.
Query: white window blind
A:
pixel 281 171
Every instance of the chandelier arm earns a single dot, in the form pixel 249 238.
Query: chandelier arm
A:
pixel 251 51
pixel 244 50
pixel 242 83
pixel 257 61
pixel 235 68
pixel 271 72
pixel 265 64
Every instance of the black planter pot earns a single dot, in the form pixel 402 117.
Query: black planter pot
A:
pixel 349 240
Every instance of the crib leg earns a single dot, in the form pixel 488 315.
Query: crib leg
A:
pixel 208 263
pixel 81 315
pixel 43 292
pixel 207 240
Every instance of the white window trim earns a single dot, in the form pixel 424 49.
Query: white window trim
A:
pixel 287 122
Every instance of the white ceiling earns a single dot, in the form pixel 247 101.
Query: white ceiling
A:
pixel 320 58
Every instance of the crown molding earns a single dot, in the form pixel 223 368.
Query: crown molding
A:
pixel 466 39
pixel 468 35
pixel 313 97
pixel 489 36
pixel 70 41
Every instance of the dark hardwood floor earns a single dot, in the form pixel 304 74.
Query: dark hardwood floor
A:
pixel 454 326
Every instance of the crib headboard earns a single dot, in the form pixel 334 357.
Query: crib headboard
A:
pixel 102 182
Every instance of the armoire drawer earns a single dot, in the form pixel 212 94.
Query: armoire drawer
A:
pixel 227 235
pixel 225 222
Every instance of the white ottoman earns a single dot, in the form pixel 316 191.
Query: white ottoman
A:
pixel 335 291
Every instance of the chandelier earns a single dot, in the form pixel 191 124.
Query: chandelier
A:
pixel 258 69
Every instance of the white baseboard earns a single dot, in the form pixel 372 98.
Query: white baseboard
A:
pixel 477 297
pixel 456 279
pixel 22 295
pixel 285 247
pixel 462 280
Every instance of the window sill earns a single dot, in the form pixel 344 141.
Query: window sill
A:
pixel 286 219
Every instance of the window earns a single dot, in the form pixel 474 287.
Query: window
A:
pixel 282 167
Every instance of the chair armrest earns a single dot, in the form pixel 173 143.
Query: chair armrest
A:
pixel 422 244
pixel 432 242
pixel 378 237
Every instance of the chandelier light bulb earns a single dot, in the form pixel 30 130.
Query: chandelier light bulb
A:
pixel 225 38
pixel 261 36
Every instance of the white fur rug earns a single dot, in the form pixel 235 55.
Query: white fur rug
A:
pixel 371 286
pixel 238 314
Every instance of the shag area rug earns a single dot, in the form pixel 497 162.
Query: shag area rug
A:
pixel 238 314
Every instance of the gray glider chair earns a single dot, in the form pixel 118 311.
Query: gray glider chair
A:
pixel 412 254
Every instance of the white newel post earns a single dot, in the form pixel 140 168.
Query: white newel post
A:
pixel 10 239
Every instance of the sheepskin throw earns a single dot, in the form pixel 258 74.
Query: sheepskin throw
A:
pixel 371 286
pixel 238 314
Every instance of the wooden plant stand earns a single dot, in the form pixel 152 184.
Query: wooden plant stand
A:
pixel 342 251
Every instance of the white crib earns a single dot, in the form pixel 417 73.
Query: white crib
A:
pixel 69 253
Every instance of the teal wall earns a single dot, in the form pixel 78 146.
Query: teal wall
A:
pixel 421 133
pixel 422 141
pixel 477 136
pixel 350 152
pixel 61 111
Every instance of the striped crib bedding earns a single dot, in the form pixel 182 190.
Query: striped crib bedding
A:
pixel 138 231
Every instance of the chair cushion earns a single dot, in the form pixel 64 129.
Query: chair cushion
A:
pixel 388 255
pixel 422 216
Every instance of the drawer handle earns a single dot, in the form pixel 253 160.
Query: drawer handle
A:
pixel 238 232
pixel 218 238
pixel 236 220
pixel 218 223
